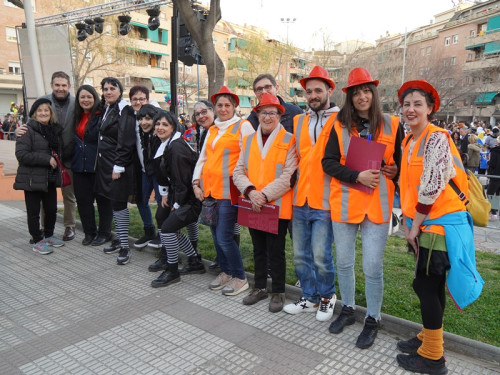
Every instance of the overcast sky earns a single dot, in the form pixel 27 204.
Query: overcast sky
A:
pixel 364 20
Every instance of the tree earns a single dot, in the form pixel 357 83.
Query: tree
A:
pixel 201 31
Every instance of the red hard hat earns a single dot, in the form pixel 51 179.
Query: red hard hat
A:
pixel 269 99
pixel 359 76
pixel 225 90
pixel 318 73
pixel 423 85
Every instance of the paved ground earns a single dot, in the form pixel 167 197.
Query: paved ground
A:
pixel 76 312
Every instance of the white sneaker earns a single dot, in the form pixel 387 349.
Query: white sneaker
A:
pixel 302 305
pixel 325 309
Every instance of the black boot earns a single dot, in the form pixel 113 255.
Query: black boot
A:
pixel 346 318
pixel 169 276
pixel 161 262
pixel 195 247
pixel 194 266
pixel 149 234
pixel 369 333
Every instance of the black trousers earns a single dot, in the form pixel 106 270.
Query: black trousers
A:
pixel 273 246
pixel 170 221
pixel 83 184
pixel 49 201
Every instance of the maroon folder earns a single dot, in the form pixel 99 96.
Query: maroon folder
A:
pixel 266 220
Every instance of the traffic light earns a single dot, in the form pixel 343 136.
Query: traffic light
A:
pixel 187 49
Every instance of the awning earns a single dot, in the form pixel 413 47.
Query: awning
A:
pixel 475 46
pixel 486 98
pixel 138 24
pixel 161 85
pixel 244 101
pixel 148 51
pixel 491 48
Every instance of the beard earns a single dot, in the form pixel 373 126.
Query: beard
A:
pixel 318 104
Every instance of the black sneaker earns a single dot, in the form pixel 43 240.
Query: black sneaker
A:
pixel 149 235
pixel 156 243
pixel 88 239
pixel 123 256
pixel 367 336
pixel 346 318
pixel 113 247
pixel 422 365
pixel 409 346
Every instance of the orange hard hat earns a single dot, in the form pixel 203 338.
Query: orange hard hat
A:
pixel 423 85
pixel 227 91
pixel 318 73
pixel 269 99
pixel 359 76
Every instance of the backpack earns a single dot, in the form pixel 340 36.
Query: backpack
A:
pixel 477 203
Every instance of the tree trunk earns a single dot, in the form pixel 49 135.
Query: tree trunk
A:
pixel 201 31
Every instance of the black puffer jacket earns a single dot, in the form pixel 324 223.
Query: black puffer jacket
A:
pixel 33 154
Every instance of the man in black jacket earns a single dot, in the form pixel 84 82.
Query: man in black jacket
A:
pixel 266 83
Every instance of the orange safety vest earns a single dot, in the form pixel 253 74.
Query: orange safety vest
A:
pixel 411 170
pixel 262 171
pixel 218 169
pixel 313 185
pixel 350 205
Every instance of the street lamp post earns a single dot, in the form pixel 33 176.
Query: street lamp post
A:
pixel 287 21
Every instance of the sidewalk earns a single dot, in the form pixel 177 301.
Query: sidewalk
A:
pixel 76 312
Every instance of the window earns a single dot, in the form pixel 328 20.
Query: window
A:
pixel 14 67
pixel 453 60
pixel 473 33
pixel 470 56
pixel 443 83
pixel 422 51
pixel 451 82
pixel 88 56
pixel 421 72
pixel 445 62
pixel 188 69
pixel 109 57
pixel 162 65
pixel 11 34
pixel 429 50
pixel 181 69
pixel 108 30
pixel 455 39
pixel 447 41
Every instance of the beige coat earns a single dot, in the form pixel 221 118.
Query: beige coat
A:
pixel 474 156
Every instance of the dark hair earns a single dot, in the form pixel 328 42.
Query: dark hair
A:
pixel 265 76
pixel 113 82
pixel 230 97
pixel 78 108
pixel 60 74
pixel 147 110
pixel 138 88
pixel 428 99
pixel 171 118
pixel 348 115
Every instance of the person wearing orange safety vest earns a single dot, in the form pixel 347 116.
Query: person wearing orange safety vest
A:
pixel 312 229
pixel 263 174
pixel 212 177
pixel 436 225
pixel 353 209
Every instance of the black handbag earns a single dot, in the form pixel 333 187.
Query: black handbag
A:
pixel 209 212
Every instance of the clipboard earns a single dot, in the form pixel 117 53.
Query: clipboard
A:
pixel 266 220
pixel 361 155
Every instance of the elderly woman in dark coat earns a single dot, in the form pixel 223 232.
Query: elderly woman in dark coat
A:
pixel 116 161
pixel 38 175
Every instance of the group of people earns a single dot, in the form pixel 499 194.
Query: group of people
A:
pixel 279 158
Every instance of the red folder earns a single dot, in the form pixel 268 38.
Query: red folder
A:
pixel 362 155
pixel 266 220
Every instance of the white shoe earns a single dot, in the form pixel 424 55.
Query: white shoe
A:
pixel 325 309
pixel 302 305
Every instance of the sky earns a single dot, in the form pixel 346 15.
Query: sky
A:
pixel 364 20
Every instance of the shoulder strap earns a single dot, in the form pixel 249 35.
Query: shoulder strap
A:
pixel 459 192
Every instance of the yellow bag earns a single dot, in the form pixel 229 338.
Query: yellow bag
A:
pixel 477 202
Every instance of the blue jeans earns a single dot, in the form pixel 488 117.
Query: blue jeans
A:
pixel 373 238
pixel 312 252
pixel 149 184
pixel 228 253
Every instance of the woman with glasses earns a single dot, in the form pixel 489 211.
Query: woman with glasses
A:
pixel 263 173
pixel 116 161
pixel 368 210
pixel 212 177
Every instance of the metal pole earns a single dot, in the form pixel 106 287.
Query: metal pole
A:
pixel 173 63
pixel 33 42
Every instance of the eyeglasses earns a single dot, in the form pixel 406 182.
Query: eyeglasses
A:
pixel 138 100
pixel 263 88
pixel 201 113
pixel 270 114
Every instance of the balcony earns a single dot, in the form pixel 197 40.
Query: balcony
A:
pixel 481 40
pixel 489 61
pixel 9 81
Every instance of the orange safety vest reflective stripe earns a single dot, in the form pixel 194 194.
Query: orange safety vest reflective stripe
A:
pixel 350 205
pixel 313 185
pixel 411 171
pixel 262 171
pixel 218 169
